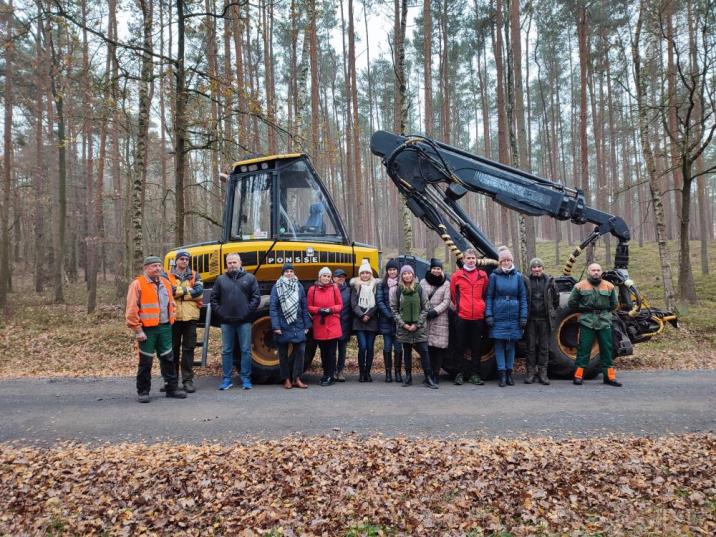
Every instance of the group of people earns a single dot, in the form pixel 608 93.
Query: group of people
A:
pixel 162 310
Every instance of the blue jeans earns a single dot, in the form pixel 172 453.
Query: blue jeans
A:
pixel 366 345
pixel 505 353
pixel 390 343
pixel 229 334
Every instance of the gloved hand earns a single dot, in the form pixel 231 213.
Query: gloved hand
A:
pixel 432 313
pixel 141 336
pixel 523 323
pixel 324 311
pixel 490 321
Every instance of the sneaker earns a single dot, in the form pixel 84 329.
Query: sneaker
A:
pixel 340 377
pixel 189 386
pixel 475 379
pixel 143 398
pixel 328 381
pixel 177 394
pixel 247 384
pixel 226 384
pixel 459 381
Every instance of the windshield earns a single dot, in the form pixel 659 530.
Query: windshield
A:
pixel 303 209
pixel 251 218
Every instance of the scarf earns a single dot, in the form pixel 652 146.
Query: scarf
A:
pixel 469 269
pixel 392 282
pixel 435 281
pixel 287 291
pixel 366 294
pixel 411 305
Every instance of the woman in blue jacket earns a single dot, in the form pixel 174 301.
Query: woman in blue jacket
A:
pixel 290 323
pixel 506 313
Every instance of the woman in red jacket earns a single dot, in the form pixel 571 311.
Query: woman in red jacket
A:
pixel 325 305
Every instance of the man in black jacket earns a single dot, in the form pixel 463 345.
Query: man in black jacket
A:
pixel 542 300
pixel 234 299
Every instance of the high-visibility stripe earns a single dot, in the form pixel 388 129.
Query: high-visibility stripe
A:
pixel 579 373
pixel 149 312
pixel 611 374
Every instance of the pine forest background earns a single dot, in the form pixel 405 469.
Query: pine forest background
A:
pixel 119 117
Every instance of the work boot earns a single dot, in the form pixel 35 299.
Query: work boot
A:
pixel 408 371
pixel 502 378
pixel 189 386
pixel 531 374
pixel 176 393
pixel 143 398
pixel 610 378
pixel 459 380
pixel 508 378
pixel 474 379
pixel 543 378
pixel 398 366
pixel 388 361
pixel 578 374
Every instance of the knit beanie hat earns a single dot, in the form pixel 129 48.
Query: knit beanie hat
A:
pixel 287 266
pixel 183 253
pixel 392 263
pixel 365 267
pixel 150 259
pixel 435 263
pixel 504 253
pixel 407 268
pixel 536 262
pixel 324 270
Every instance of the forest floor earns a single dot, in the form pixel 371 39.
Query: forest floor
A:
pixel 38 338
pixel 649 483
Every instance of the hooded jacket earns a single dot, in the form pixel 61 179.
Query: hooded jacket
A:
pixel 328 326
pixel 467 292
pixel 506 303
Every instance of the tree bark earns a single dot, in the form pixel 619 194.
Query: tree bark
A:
pixel 5 265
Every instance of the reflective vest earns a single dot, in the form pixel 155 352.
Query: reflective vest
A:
pixel 149 312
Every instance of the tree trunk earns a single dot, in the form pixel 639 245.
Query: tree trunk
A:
pixel 311 35
pixel 645 136
pixel 5 265
pixel 179 113
pixel 140 157
pixel 583 112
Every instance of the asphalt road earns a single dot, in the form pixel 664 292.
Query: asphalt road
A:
pixel 45 411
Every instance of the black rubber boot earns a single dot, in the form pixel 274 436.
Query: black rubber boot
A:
pixel 368 365
pixel 502 377
pixel 361 368
pixel 508 378
pixel 408 371
pixel 398 366
pixel 388 361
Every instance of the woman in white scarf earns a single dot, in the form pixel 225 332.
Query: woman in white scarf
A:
pixel 290 323
pixel 365 317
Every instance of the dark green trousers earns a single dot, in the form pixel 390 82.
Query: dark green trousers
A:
pixel 159 342
pixel 586 340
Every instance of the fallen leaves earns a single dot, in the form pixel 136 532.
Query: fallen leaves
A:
pixel 373 486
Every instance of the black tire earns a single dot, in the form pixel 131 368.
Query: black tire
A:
pixel 264 351
pixel 563 340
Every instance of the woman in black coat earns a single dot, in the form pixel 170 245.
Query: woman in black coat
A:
pixel 290 323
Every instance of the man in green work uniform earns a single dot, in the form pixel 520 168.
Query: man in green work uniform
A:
pixel 150 313
pixel 595 299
